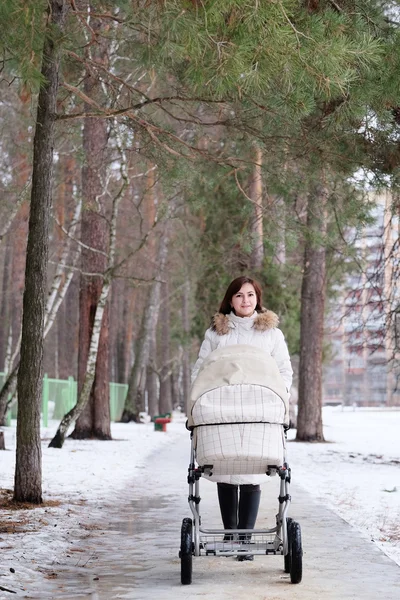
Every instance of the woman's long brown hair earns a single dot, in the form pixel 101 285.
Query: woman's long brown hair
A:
pixel 233 289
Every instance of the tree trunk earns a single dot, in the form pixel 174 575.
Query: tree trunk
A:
pixel 165 375
pixel 255 193
pixel 152 384
pixel 101 429
pixel 134 403
pixel 313 289
pixel 94 420
pixel 28 467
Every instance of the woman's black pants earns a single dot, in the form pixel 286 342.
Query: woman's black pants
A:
pixel 239 505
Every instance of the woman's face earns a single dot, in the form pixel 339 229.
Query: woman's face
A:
pixel 244 301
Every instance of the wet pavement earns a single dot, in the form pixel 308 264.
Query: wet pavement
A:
pixel 134 552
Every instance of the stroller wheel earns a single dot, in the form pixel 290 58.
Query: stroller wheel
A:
pixel 186 551
pixel 296 553
pixel 287 560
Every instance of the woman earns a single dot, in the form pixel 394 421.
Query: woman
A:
pixel 242 320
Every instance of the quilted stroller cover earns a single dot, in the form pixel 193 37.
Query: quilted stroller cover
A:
pixel 239 405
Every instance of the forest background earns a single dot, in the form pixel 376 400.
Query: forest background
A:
pixel 152 151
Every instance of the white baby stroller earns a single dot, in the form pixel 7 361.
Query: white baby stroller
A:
pixel 238 421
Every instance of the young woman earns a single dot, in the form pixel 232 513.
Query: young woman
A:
pixel 242 320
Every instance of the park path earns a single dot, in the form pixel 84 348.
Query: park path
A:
pixel 133 554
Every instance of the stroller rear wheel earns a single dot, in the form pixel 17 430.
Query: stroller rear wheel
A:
pixel 186 551
pixel 296 553
pixel 287 560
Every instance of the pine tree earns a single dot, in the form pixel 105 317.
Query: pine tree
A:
pixel 28 471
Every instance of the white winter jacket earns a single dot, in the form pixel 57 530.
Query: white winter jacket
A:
pixel 259 330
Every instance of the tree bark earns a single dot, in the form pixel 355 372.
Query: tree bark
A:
pixel 94 420
pixel 28 468
pixel 313 290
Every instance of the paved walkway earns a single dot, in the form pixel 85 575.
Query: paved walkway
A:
pixel 134 554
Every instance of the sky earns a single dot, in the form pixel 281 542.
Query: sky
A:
pixel 356 473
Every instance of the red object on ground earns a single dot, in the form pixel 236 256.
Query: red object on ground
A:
pixel 163 422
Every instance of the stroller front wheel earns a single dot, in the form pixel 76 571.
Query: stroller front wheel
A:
pixel 296 553
pixel 287 560
pixel 186 551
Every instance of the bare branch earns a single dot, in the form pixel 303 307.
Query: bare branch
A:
pixel 67 233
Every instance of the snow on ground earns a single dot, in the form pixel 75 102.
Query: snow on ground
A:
pixel 78 481
pixel 357 474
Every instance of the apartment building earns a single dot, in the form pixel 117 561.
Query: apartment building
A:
pixel 362 366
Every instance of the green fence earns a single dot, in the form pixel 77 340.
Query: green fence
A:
pixel 59 396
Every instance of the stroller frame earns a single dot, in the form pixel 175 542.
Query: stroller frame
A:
pixel 284 538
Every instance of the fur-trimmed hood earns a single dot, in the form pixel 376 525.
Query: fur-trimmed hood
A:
pixel 266 319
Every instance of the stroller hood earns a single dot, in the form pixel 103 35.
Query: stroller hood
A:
pixel 238 364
